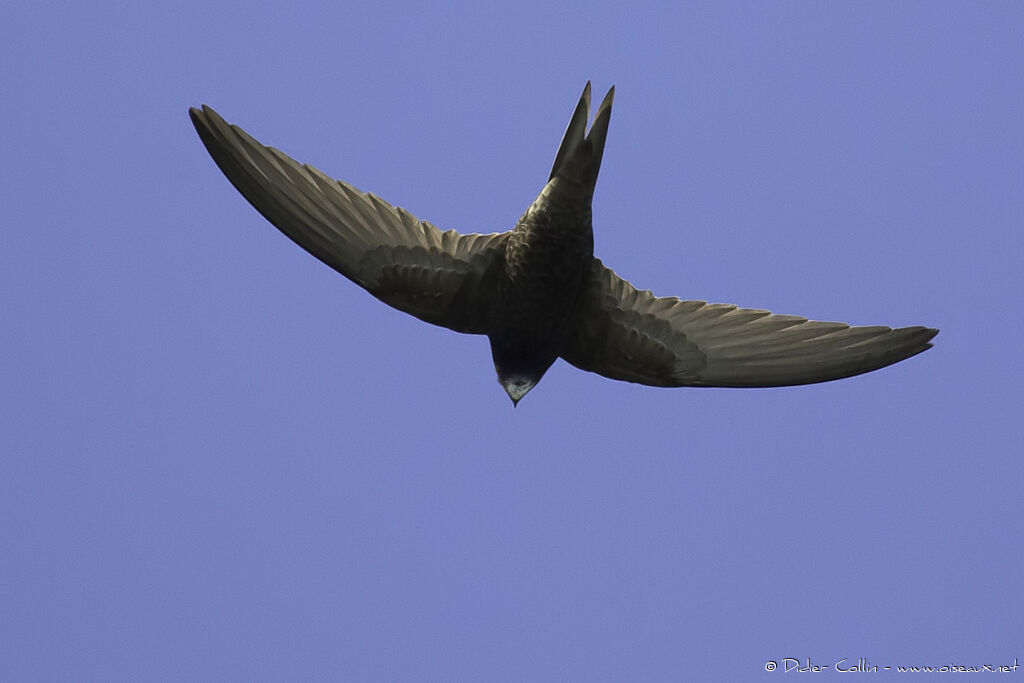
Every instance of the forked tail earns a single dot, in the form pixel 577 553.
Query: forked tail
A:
pixel 579 155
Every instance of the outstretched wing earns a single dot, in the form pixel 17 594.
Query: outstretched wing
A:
pixel 439 277
pixel 629 334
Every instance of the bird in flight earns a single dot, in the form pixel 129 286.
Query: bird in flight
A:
pixel 537 291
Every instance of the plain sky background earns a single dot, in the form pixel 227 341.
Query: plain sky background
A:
pixel 219 460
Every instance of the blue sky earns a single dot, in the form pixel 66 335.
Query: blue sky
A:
pixel 222 461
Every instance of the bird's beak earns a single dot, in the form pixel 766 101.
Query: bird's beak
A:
pixel 516 388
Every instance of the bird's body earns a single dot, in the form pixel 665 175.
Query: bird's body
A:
pixel 546 257
pixel 537 291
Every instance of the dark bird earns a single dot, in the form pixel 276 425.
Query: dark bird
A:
pixel 537 291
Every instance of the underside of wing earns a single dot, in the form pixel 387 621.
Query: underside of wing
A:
pixel 439 277
pixel 629 334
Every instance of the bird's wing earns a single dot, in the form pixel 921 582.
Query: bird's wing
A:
pixel 629 334
pixel 405 262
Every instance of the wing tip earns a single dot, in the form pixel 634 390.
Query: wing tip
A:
pixel 921 335
pixel 201 112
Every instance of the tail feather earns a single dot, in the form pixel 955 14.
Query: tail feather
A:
pixel 579 155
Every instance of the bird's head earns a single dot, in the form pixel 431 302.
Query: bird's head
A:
pixel 517 386
pixel 519 367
